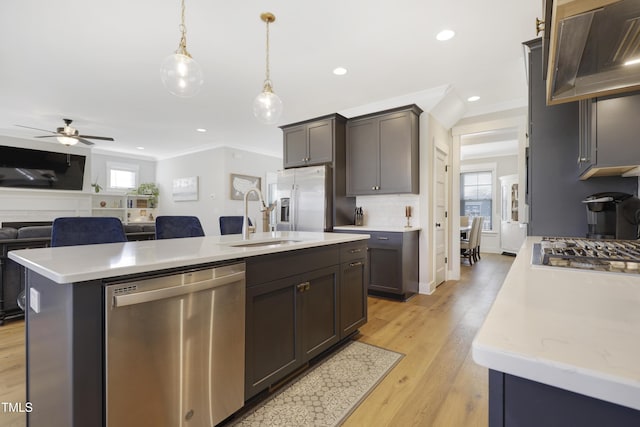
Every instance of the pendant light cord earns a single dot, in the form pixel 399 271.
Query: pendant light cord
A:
pixel 182 47
pixel 267 82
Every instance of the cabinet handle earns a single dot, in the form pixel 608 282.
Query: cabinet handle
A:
pixel 305 286
pixel 355 251
pixel 355 264
pixel 383 238
pixel 373 188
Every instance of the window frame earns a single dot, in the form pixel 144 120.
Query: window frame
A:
pixel 125 167
pixel 485 167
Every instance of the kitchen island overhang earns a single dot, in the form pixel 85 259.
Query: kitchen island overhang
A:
pixel 571 329
pixel 66 341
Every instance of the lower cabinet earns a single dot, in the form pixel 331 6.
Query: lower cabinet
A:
pixel 353 290
pixel 393 263
pixel 516 401
pixel 290 320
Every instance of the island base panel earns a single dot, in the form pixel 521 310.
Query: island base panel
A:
pixel 516 401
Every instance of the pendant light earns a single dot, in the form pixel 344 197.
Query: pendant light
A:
pixel 180 74
pixel 267 107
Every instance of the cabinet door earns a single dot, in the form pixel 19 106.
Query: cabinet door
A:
pixel 271 335
pixel 318 307
pixel 396 154
pixel 587 150
pixel 385 262
pixel 363 157
pixel 320 140
pixel 617 131
pixel 295 146
pixel 353 296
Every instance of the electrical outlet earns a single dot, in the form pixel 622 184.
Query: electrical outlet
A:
pixel 34 300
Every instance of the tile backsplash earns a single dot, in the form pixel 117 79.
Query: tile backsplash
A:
pixel 389 210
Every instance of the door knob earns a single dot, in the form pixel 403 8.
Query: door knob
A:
pixel 437 224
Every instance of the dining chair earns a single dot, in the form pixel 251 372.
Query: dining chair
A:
pixel 231 224
pixel 479 238
pixel 468 246
pixel 174 227
pixel 464 221
pixel 78 230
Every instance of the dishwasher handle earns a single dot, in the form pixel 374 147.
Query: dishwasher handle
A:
pixel 174 291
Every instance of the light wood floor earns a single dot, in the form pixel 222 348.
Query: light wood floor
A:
pixel 436 383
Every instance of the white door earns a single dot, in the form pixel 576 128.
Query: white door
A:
pixel 441 182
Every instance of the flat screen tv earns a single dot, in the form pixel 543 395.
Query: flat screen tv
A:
pixel 27 168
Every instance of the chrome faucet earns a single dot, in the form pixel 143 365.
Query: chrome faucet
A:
pixel 245 219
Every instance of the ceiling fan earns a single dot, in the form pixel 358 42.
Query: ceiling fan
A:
pixel 68 135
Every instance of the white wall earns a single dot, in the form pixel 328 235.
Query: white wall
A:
pixel 146 168
pixel 213 168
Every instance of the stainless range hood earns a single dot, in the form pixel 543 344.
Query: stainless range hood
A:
pixel 593 44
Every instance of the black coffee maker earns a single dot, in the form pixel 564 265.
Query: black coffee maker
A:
pixel 612 215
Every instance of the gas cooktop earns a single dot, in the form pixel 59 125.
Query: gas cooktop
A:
pixel 620 256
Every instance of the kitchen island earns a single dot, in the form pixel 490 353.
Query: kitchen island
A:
pixel 562 346
pixel 303 293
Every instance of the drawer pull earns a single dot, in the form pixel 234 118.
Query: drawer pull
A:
pixel 355 251
pixel 383 238
pixel 355 264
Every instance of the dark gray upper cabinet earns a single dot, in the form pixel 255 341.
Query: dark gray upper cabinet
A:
pixel 555 191
pixel 313 142
pixel 383 152
pixel 609 130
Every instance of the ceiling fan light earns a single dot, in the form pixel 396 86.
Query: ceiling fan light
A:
pixel 181 75
pixel 267 107
pixel 65 140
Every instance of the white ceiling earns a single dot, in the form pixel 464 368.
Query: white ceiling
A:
pixel 97 62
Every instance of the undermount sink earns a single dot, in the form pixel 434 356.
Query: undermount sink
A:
pixel 263 243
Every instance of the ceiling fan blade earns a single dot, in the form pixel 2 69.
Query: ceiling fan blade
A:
pixel 84 141
pixel 29 127
pixel 48 136
pixel 102 138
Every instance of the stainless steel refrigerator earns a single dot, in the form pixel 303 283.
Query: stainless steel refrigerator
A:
pixel 304 199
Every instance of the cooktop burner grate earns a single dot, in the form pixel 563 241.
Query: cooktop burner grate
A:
pixel 602 255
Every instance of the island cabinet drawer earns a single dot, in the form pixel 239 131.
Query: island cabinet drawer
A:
pixel 353 251
pixel 266 268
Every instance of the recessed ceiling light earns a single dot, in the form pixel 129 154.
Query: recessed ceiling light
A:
pixel 473 98
pixel 140 148
pixel 445 35
pixel 633 62
pixel 340 71
pixel 202 130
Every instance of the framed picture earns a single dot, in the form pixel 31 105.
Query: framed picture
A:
pixel 240 184
pixel 185 189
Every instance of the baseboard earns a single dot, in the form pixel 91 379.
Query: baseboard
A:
pixel 426 288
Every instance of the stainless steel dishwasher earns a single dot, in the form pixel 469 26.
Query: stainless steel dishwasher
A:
pixel 175 348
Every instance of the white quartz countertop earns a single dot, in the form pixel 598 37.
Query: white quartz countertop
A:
pixel 364 228
pixel 89 262
pixel 571 329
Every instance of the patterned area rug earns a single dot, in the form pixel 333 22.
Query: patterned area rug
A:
pixel 327 394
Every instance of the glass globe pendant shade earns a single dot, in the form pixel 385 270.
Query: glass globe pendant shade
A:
pixel 181 75
pixel 66 140
pixel 267 107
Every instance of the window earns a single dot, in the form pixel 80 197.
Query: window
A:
pixel 476 196
pixel 122 176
